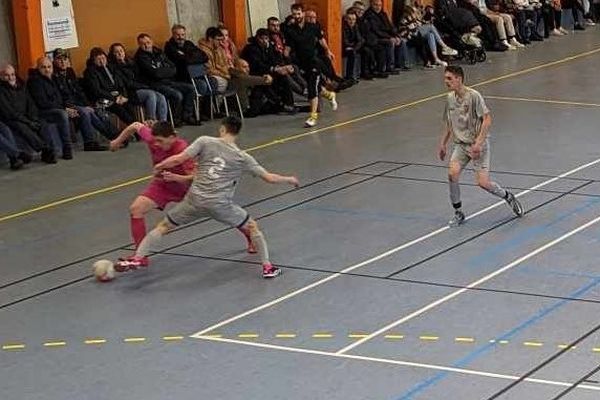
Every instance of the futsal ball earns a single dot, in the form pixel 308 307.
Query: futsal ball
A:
pixel 104 270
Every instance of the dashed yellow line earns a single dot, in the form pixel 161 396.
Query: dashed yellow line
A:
pixel 464 340
pixel 394 337
pixel 533 344
pixel 214 335
pixel 285 335
pixel 248 335
pixel 135 340
pixel 357 335
pixel 55 344
pixel 427 338
pixel 566 346
pixel 13 346
pixel 172 338
pixel 322 336
pixel 94 341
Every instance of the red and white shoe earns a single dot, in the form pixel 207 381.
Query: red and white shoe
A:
pixel 131 263
pixel 270 271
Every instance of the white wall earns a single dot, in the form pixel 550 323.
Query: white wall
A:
pixel 195 15
pixel 7 47
pixel 259 11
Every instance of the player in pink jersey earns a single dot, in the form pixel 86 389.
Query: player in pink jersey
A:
pixel 171 185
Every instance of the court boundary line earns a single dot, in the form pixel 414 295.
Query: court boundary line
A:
pixel 388 361
pixel 544 101
pixel 283 140
pixel 384 254
pixel 476 283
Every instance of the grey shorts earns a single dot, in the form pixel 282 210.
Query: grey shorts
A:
pixel 223 211
pixel 460 154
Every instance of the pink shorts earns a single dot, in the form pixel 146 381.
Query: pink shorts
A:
pixel 164 193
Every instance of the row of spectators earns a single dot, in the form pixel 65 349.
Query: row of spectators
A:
pixel 286 61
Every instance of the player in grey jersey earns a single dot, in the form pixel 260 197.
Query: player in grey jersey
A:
pixel 467 121
pixel 219 166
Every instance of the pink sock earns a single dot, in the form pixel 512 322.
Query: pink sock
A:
pixel 138 230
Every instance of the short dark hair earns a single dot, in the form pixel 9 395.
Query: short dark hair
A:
pixel 297 6
pixel 163 129
pixel 262 32
pixel 142 36
pixel 232 124
pixel 176 27
pixel 213 32
pixel 455 70
pixel 272 19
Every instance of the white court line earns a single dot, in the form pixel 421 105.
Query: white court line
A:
pixel 388 361
pixel 472 285
pixel 383 255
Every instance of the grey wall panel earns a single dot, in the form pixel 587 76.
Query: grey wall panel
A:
pixel 196 15
pixel 7 46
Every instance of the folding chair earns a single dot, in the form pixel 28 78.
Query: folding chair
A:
pixel 198 73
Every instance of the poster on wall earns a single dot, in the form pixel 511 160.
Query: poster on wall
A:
pixel 58 22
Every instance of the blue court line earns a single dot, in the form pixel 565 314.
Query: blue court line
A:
pixel 536 271
pixel 499 249
pixel 541 314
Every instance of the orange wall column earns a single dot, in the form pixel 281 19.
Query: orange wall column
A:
pixel 329 13
pixel 234 18
pixel 29 37
pixel 388 6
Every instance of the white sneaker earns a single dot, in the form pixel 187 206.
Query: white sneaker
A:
pixel 449 51
pixel 442 63
pixel 333 102
pixel 516 43
pixel 508 45
pixel 310 122
pixel 556 32
pixel 563 31
pixel 589 22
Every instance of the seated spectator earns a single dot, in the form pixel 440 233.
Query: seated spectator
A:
pixel 376 65
pixel 157 71
pixel 154 103
pixel 18 111
pixel 528 15
pixel 380 25
pixel 229 48
pixel 488 34
pixel 425 35
pixel 456 19
pixel 182 53
pixel 264 60
pixel 218 64
pixel 502 21
pixel 577 10
pixel 8 146
pixel 104 84
pixel 47 97
pixel 247 86
pixel 353 46
pixel 277 39
pixel 552 13
pixel 75 100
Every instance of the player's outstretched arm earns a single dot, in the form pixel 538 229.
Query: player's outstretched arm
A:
pixel 172 161
pixel 276 178
pixel 124 135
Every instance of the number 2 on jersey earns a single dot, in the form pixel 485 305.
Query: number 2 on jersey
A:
pixel 213 172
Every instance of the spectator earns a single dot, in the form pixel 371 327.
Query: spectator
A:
pixel 251 83
pixel 229 48
pixel 18 111
pixel 502 21
pixel 528 15
pixel 380 25
pixel 295 79
pixel 353 46
pixel 47 97
pixel 183 52
pixel 377 66
pixel 264 60
pixel 304 38
pixel 577 10
pixel 425 35
pixel 157 71
pixel 75 100
pixel 8 146
pixel 456 19
pixel 552 13
pixel 218 64
pixel 104 84
pixel 155 103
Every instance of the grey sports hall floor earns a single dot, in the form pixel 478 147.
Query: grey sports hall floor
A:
pixel 378 300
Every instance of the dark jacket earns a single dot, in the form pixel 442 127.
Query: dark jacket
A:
pixel 380 24
pixel 129 73
pixel 99 84
pixel 352 38
pixel 70 89
pixel 17 106
pixel 154 66
pixel 262 60
pixel 44 91
pixel 189 54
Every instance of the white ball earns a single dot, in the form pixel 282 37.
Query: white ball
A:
pixel 104 270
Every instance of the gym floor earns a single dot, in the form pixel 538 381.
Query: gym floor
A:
pixel 379 299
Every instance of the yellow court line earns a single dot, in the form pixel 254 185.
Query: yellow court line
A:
pixel 172 338
pixel 394 337
pixel 134 340
pixel 55 344
pixel 533 344
pixel 464 340
pixel 544 101
pixel 275 142
pixel 285 335
pixel 429 338
pixel 94 341
pixel 248 335
pixel 322 336
pixel 13 347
